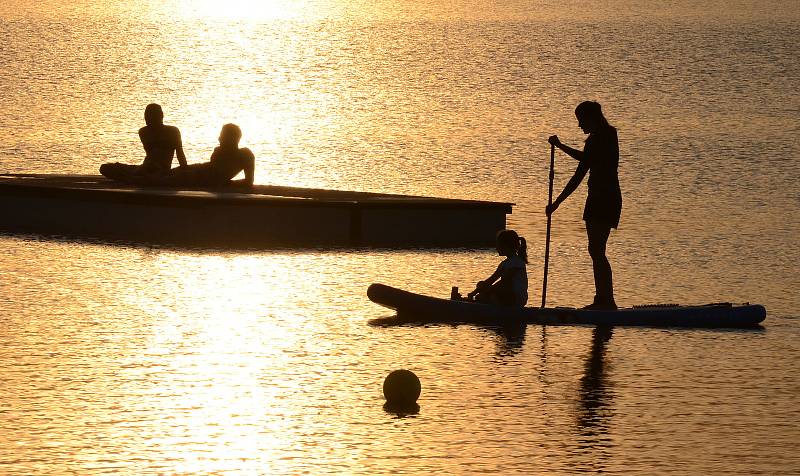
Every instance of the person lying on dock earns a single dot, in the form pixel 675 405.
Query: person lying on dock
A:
pixel 160 141
pixel 508 285
pixel 226 162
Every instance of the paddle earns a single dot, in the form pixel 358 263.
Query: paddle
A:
pixel 549 219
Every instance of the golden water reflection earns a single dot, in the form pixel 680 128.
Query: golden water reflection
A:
pixel 243 10
pixel 148 361
pixel 127 359
pixel 217 355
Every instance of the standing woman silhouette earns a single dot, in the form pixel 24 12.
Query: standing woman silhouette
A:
pixel 600 158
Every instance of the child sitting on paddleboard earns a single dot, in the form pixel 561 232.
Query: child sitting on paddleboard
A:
pixel 508 285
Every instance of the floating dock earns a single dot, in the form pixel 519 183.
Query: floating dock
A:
pixel 262 216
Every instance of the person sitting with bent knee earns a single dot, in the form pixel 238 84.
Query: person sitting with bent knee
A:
pixel 226 162
pixel 160 141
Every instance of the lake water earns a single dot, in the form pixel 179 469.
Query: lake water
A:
pixel 129 359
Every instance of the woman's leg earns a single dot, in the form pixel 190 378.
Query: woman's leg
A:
pixel 117 171
pixel 194 175
pixel 603 280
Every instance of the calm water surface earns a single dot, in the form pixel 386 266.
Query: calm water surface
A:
pixel 125 359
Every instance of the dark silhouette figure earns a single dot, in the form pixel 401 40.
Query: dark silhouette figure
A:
pixel 594 398
pixel 160 143
pixel 600 158
pixel 226 162
pixel 508 285
pixel 510 338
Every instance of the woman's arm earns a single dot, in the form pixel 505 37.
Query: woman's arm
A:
pixel 571 186
pixel 179 148
pixel 249 167
pixel 144 140
pixel 245 162
pixel 574 153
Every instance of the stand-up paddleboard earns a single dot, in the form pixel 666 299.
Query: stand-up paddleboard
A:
pixel 419 308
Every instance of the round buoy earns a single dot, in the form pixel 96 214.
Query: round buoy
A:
pixel 401 387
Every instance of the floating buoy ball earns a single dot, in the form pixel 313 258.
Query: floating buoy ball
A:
pixel 401 387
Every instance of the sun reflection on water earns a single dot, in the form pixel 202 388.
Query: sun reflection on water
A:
pixel 206 370
pixel 246 10
pixel 205 362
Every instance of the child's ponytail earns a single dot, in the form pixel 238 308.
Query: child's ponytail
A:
pixel 510 241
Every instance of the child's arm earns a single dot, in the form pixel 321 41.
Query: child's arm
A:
pixel 486 283
pixel 508 274
pixel 505 277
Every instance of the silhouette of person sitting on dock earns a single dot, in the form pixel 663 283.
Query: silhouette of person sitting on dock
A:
pixel 226 162
pixel 600 158
pixel 160 141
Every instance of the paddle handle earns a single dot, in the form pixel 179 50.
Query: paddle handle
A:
pixel 549 221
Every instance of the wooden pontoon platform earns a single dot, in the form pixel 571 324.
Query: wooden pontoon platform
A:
pixel 89 206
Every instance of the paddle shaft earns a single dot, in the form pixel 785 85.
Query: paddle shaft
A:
pixel 549 221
